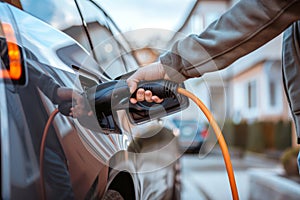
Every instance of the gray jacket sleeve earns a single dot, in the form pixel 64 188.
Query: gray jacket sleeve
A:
pixel 245 27
pixel 291 71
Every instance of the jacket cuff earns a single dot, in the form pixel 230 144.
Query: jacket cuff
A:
pixel 173 67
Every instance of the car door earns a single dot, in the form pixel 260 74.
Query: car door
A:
pixel 113 59
pixel 25 110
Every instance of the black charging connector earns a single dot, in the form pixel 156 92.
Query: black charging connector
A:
pixel 107 98
pixel 161 88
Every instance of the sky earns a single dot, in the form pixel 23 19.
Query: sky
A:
pixel 138 14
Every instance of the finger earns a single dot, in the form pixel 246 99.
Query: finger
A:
pixel 133 100
pixel 79 107
pixel 79 100
pixel 80 110
pixel 132 84
pixel 148 96
pixel 156 99
pixel 72 112
pixel 140 95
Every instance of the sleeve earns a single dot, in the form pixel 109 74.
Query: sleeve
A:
pixel 245 27
pixel 291 71
pixel 45 83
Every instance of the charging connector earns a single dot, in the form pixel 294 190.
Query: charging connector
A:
pixel 160 88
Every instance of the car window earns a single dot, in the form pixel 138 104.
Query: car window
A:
pixel 128 58
pixel 108 49
pixel 61 14
pixel 96 31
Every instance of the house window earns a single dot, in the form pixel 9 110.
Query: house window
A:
pixel 273 96
pixel 274 92
pixel 252 92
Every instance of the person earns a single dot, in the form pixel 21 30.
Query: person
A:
pixel 241 30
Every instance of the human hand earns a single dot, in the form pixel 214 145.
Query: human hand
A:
pixel 154 71
pixel 79 107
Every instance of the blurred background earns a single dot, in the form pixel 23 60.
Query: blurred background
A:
pixel 247 99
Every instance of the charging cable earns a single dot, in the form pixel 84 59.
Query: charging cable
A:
pixel 42 151
pixel 220 139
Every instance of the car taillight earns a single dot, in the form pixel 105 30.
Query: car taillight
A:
pixel 15 69
pixel 12 64
pixel 204 133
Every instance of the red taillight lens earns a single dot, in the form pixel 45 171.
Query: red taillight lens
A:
pixel 204 133
pixel 15 65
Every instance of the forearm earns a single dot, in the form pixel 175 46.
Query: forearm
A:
pixel 247 26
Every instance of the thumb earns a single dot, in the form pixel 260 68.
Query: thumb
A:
pixel 132 84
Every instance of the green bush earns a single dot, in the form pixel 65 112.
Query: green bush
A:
pixel 289 161
pixel 283 135
pixel 241 135
pixel 268 129
pixel 228 132
pixel 258 136
pixel 256 140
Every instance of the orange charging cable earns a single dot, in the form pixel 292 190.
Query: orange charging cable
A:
pixel 220 139
pixel 42 150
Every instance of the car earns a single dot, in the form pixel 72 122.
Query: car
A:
pixel 192 134
pixel 79 48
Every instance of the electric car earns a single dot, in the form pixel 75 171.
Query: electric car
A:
pixel 67 45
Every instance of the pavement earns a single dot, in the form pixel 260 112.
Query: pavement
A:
pixel 205 178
